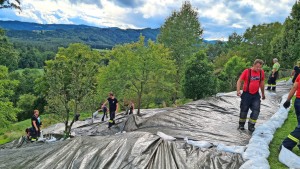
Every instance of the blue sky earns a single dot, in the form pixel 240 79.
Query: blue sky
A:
pixel 218 18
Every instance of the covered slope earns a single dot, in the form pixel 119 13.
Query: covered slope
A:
pixel 214 120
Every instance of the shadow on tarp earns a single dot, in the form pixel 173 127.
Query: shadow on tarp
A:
pixel 214 120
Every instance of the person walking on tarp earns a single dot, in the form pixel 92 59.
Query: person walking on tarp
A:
pixel 104 110
pixel 253 79
pixel 293 138
pixel 274 75
pixel 296 71
pixel 113 107
pixel 131 107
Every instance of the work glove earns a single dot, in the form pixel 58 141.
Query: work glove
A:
pixel 286 104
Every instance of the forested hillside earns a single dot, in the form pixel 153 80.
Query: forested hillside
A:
pixel 51 36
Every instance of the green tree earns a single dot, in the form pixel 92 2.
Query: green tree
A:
pixel 9 57
pixel 200 80
pixel 181 33
pixel 140 69
pixel 257 42
pixel 232 70
pixel 26 103
pixel 234 40
pixel 71 78
pixel 27 78
pixel 7 87
pixel 31 58
pixel 289 40
pixel 215 50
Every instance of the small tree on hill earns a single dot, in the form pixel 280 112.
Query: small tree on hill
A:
pixel 71 78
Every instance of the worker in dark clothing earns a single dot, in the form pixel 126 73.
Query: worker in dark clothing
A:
pixel 104 109
pixel 293 138
pixel 296 71
pixel 131 107
pixel 274 75
pixel 113 108
pixel 253 79
pixel 36 123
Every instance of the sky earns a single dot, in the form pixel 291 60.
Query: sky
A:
pixel 218 18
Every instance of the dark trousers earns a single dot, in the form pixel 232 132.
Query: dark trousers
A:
pixel 111 120
pixel 104 114
pixel 293 138
pixel 272 81
pixel 252 102
pixel 33 133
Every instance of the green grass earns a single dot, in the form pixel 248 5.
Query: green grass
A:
pixel 281 133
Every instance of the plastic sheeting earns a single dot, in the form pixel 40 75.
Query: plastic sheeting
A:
pixel 289 158
pixel 133 143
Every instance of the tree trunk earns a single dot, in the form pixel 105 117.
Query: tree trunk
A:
pixel 140 99
pixel 177 87
pixel 139 103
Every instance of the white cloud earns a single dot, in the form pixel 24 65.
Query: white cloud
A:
pixel 213 14
pixel 235 25
pixel 220 13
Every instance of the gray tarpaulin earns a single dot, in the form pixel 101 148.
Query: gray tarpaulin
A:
pixel 133 142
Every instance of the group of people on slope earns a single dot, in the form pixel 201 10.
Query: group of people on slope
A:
pixel 253 80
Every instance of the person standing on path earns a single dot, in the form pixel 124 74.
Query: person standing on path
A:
pixel 113 108
pixel 274 75
pixel 253 79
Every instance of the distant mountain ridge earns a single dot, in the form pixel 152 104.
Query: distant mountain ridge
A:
pixel 56 35
pixel 29 26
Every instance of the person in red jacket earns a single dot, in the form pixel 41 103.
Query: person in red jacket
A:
pixel 293 138
pixel 253 79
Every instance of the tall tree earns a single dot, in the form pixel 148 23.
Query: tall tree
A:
pixel 7 87
pixel 200 80
pixel 289 40
pixel 182 33
pixel 257 42
pixel 9 57
pixel 234 40
pixel 140 69
pixel 71 78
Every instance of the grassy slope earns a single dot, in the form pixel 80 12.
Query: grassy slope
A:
pixel 288 126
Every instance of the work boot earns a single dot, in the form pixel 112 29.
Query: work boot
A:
pixel 251 127
pixel 268 88
pixel 241 126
